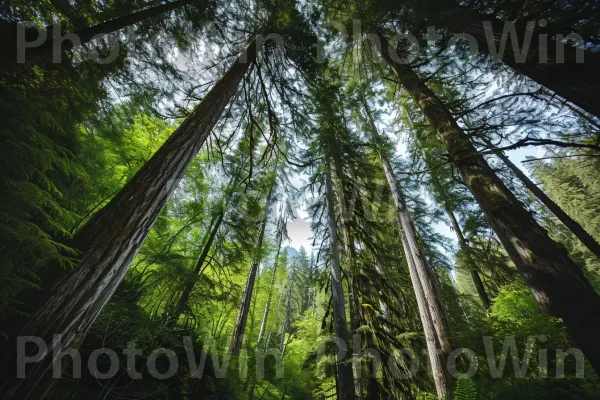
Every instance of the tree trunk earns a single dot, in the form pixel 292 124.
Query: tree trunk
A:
pixel 345 379
pixel 265 317
pixel 558 284
pixel 462 242
pixel 424 271
pixel 581 234
pixel 436 357
pixel 579 83
pixel 191 282
pixel 113 236
pixel 235 345
pixel 288 309
pixel 46 50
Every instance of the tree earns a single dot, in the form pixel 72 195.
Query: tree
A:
pixel 105 253
pixel 545 265
pixel 581 234
pixel 237 338
pixel 345 379
pixel 85 34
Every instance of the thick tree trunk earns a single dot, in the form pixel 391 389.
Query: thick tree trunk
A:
pixel 579 83
pixel 198 269
pixel 438 361
pixel 46 50
pixel 345 379
pixel 113 236
pixel 472 265
pixel 581 234
pixel 237 338
pixel 265 317
pixel 558 284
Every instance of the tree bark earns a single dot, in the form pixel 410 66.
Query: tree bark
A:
pixel 425 274
pixel 428 285
pixel 345 378
pixel 113 236
pixel 235 345
pixel 578 83
pixel 46 50
pixel 191 282
pixel 435 356
pixel 558 284
pixel 577 230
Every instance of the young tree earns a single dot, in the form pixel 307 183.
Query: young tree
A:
pixel 237 338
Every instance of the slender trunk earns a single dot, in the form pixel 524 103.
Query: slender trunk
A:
pixel 581 234
pixel 437 359
pixel 235 345
pixel 558 284
pixel 428 285
pixel 265 317
pixel 114 235
pixel 47 49
pixel 345 379
pixel 288 310
pixel 349 254
pixel 191 282
pixel 424 271
pixel 472 265
pixel 578 82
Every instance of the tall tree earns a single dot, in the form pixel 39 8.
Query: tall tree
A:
pixel 419 261
pixel 73 303
pixel 207 240
pixel 345 378
pixel 548 59
pixel 49 49
pixel 581 234
pixel 557 282
pixel 237 338
pixel 265 317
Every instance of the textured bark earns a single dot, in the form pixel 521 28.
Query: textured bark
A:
pixel 345 379
pixel 428 285
pixel 558 284
pixel 577 230
pixel 472 265
pixel 46 50
pixel 113 236
pixel 198 269
pixel 435 356
pixel 237 338
pixel 424 272
pixel 579 83
pixel 265 317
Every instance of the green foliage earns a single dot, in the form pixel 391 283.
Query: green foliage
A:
pixel 466 389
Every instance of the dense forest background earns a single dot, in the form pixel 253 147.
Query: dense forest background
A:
pixel 151 168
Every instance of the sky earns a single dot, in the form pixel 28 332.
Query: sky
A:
pixel 299 229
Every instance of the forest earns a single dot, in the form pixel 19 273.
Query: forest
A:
pixel 300 199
